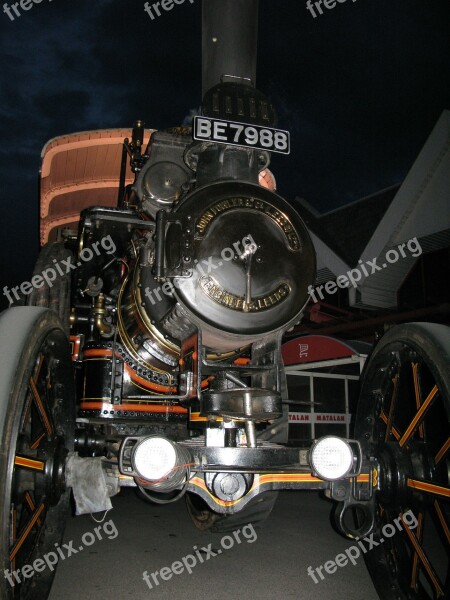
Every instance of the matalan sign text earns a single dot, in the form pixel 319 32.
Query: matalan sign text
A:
pixel 297 417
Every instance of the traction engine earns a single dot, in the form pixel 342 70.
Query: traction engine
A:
pixel 175 299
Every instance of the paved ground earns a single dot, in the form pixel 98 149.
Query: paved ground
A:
pixel 273 566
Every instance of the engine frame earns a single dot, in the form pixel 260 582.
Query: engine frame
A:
pixel 138 403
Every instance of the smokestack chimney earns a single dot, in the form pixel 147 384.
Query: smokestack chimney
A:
pixel 230 32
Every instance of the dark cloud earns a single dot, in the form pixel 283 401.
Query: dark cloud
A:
pixel 360 89
pixel 56 105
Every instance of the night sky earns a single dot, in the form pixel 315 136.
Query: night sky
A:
pixel 359 87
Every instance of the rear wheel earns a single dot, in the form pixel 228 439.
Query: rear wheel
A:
pixel 55 294
pixel 403 420
pixel 37 418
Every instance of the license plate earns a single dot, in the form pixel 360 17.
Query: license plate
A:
pixel 240 134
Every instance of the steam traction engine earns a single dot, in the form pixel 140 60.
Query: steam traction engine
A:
pixel 175 299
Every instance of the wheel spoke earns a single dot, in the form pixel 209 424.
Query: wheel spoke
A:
pixel 423 559
pixel 27 411
pixel 430 488
pixel 389 423
pixel 39 363
pixel 418 395
pixel 46 419
pixel 30 395
pixel 26 532
pixel 419 416
pixel 415 568
pixel 442 520
pixel 442 452
pixel 37 441
pixel 29 501
pixel 29 463
pixel 395 431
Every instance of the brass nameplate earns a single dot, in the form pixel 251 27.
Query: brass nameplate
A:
pixel 280 218
pixel 221 296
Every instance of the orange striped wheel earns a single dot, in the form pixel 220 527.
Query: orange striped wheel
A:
pixel 37 417
pixel 403 421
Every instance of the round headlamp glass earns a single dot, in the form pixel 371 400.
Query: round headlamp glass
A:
pixel 154 457
pixel 331 458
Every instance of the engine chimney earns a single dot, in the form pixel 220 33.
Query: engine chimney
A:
pixel 230 32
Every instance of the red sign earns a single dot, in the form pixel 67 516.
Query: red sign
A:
pixel 314 348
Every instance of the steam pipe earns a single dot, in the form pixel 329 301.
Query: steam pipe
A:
pixel 230 32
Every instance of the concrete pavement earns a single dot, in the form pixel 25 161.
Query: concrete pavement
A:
pixel 298 534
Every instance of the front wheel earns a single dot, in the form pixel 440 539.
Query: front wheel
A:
pixel 403 421
pixel 37 418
